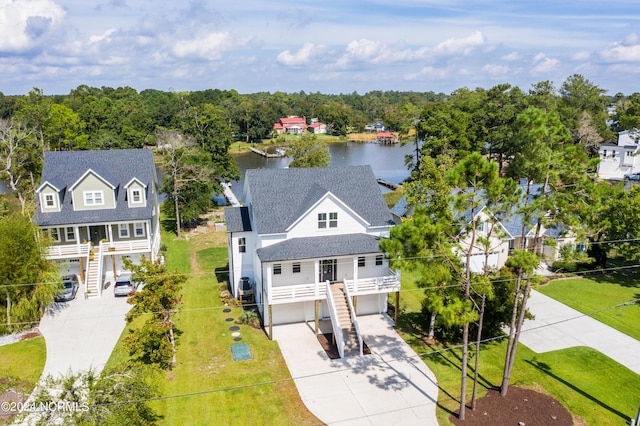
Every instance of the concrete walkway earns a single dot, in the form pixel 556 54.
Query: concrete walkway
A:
pixel 81 334
pixel 392 386
pixel 557 326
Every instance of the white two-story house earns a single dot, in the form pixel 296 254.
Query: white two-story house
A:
pixel 99 207
pixel 621 158
pixel 303 231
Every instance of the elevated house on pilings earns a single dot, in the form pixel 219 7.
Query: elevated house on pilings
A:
pixel 99 207
pixel 308 241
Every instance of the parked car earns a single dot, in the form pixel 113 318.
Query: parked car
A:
pixel 71 284
pixel 245 290
pixel 124 285
pixel 632 176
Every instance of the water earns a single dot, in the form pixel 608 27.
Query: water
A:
pixel 387 161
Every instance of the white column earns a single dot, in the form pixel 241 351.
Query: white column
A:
pixel 316 275
pixel 355 274
pixel 76 231
pixel 110 232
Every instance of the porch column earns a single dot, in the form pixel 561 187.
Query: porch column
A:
pixel 317 302
pixel 355 274
pixel 76 232
pixel 106 230
pixel 316 275
pixel 110 232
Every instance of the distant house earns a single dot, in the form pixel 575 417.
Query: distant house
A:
pixel 308 240
pixel 386 138
pixel 621 158
pixel 99 207
pixel 317 128
pixel 376 127
pixel 290 125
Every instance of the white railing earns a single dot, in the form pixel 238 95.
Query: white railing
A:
pixel 99 259
pixel 125 246
pixel 335 322
pixel 70 250
pixel 354 319
pixel 316 291
pixel 86 276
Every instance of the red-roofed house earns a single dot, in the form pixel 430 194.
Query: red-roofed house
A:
pixel 317 128
pixel 386 137
pixel 292 125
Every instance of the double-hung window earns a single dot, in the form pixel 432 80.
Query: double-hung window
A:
pixel 277 269
pixel 123 230
pixel 71 234
pixel 49 201
pixel 333 220
pixel 361 262
pixel 93 198
pixel 138 229
pixel 136 196
pixel 242 245
pixel 322 220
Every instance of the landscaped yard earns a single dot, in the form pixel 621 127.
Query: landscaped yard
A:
pixel 590 295
pixel 589 384
pixel 207 386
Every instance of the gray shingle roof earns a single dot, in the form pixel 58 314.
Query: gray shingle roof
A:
pixel 64 168
pixel 314 247
pixel 237 219
pixel 280 196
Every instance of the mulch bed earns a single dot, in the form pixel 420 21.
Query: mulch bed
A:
pixel 524 407
pixel 326 340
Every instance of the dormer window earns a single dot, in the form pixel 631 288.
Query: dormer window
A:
pixel 49 201
pixel 136 196
pixel 322 220
pixel 93 198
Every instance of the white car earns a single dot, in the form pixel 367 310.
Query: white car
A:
pixel 124 285
pixel 632 176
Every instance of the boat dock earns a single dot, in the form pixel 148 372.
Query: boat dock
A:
pixel 388 184
pixel 265 154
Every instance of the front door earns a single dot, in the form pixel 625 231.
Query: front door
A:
pixel 97 233
pixel 328 270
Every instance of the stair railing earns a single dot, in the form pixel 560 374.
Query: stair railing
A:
pixel 335 322
pixel 354 319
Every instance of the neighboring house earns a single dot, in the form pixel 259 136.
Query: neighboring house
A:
pixel 99 207
pixel 386 138
pixel 304 232
pixel 376 127
pixel 622 158
pixel 317 128
pixel 291 125
pixel 506 236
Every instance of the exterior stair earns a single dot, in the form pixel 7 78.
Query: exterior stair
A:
pixel 351 346
pixel 93 277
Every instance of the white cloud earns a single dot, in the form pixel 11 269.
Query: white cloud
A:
pixel 542 63
pixel 583 55
pixel 496 70
pixel 627 50
pixel 301 57
pixel 209 46
pixel 513 56
pixel 464 46
pixel 106 36
pixel 24 23
pixel 429 72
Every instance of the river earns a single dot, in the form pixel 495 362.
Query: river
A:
pixel 387 161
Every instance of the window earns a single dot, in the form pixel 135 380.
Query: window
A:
pixel 333 220
pixel 629 153
pixel 361 262
pixel 71 234
pixel 277 269
pixel 136 196
pixel 124 230
pixel 138 229
pixel 482 227
pixel 322 220
pixel 93 198
pixel 604 153
pixel 613 154
pixel 49 201
pixel 296 267
pixel 242 245
pixel 379 260
pixel 55 235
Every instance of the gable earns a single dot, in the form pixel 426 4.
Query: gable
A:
pixel 92 192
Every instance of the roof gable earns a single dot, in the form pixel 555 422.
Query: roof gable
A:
pixel 327 195
pixel 279 197
pixel 87 173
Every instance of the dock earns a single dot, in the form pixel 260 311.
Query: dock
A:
pixel 264 154
pixel 388 184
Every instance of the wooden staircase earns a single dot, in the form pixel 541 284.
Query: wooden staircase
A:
pixel 351 346
pixel 93 277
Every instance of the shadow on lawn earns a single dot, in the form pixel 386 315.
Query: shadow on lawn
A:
pixel 546 368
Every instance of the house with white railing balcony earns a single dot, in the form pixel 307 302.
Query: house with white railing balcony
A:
pixel 302 232
pixel 98 207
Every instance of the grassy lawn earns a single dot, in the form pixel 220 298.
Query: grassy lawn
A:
pixel 21 366
pixel 589 295
pixel 207 386
pixel 590 385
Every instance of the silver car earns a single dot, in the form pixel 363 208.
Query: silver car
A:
pixel 124 285
pixel 71 285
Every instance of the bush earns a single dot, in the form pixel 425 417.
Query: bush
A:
pixel 250 318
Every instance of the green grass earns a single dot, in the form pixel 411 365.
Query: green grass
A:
pixel 589 295
pixel 589 384
pixel 207 386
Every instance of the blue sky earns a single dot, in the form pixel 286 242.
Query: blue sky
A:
pixel 329 46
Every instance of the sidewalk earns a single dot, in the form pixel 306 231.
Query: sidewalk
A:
pixel 557 326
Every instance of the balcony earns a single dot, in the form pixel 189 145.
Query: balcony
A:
pixel 317 291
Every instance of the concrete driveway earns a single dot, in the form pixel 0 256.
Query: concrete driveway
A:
pixel 392 386
pixel 81 334
pixel 557 326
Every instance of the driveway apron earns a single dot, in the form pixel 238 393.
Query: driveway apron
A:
pixel 81 334
pixel 391 386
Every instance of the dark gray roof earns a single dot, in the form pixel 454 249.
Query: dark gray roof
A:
pixel 237 219
pixel 280 196
pixel 62 169
pixel 314 247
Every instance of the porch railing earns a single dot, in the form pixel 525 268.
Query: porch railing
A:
pixel 335 321
pixel 354 320
pixel 70 250
pixel 125 246
pixel 317 291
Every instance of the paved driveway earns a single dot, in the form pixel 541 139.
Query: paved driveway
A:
pixel 557 326
pixel 392 386
pixel 81 334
